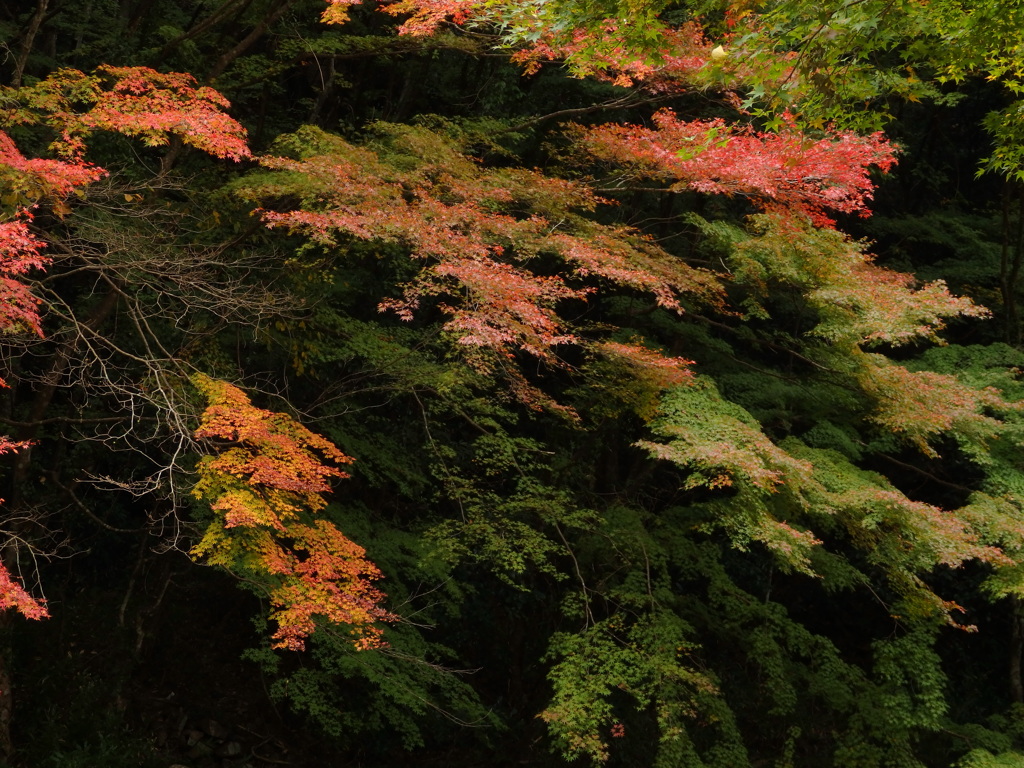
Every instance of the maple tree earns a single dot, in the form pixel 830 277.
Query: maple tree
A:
pixel 21 252
pixel 140 102
pixel 477 238
pixel 635 395
pixel 265 487
pixel 478 233
pixel 489 256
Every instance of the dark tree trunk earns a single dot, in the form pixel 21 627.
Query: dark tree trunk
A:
pixel 1016 648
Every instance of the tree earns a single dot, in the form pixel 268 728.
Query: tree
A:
pixel 264 489
pixel 20 252
pixel 630 395
pixel 136 102
pixel 783 492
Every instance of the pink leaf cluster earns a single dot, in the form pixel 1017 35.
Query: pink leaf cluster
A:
pixel 890 307
pixel 149 104
pixel 20 249
pixel 20 252
pixel 13 595
pixel 337 11
pixel 785 171
pixel 858 302
pixel 671 58
pixel 480 233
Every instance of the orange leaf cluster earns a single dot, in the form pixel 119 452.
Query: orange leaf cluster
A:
pixel 265 484
pixel 426 16
pixel 134 101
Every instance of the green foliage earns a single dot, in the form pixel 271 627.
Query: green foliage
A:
pixel 640 658
pixel 982 758
pixel 670 484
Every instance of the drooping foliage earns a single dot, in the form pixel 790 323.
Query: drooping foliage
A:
pixel 265 488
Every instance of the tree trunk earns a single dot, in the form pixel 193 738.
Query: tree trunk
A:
pixel 1016 647
pixel 1010 262
pixel 6 697
pixel 27 42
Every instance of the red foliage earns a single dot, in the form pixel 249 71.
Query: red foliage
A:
pixel 481 233
pixel 857 301
pixel 20 249
pixel 150 105
pixel 134 101
pixel 929 534
pixel 517 305
pixel 337 11
pixel 785 171
pixel 921 405
pixel 19 252
pixel 13 595
pixel 39 177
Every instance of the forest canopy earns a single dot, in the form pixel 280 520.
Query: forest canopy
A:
pixel 607 382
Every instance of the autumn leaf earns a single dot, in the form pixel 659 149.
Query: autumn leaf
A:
pixel 264 480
